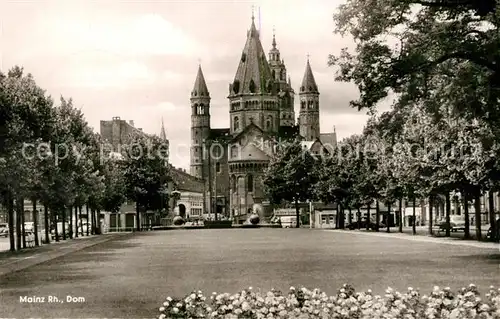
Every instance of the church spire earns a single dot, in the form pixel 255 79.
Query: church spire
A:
pixel 163 134
pixel 274 38
pixel 200 86
pixel 308 82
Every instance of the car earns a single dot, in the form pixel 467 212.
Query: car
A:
pixel 60 231
pixel 4 230
pixel 457 223
pixel 362 225
pixel 490 231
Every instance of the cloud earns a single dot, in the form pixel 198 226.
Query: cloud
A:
pixel 119 74
pixel 148 34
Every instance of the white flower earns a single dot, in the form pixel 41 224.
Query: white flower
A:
pixel 169 299
pixel 162 316
pixel 175 310
pixel 162 309
pixel 166 303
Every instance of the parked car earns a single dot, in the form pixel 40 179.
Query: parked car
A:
pixel 4 230
pixel 457 223
pixel 60 231
pixel 362 225
pixel 489 234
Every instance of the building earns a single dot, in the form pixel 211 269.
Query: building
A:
pixel 190 202
pixel 232 160
pixel 117 132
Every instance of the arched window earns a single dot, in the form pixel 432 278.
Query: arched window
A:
pixel 269 123
pixel 234 151
pixel 236 123
pixel 303 104
pixel 250 183
pixel 217 167
pixel 274 74
pixel 233 183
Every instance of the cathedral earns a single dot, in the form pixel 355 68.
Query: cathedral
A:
pixel 232 160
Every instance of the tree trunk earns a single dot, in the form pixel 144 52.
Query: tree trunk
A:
pixel 94 223
pixel 387 218
pixel 349 218
pixel 35 222
pixel 137 217
pixel 55 215
pixel 368 219
pixel 98 221
pixel 64 222
pixel 70 210
pixel 414 214
pixel 400 214
pixel 448 208
pixel 477 215
pixel 431 219
pixel 12 216
pixel 91 224
pixel 297 214
pixel 358 217
pixel 47 225
pixel 77 222
pixel 342 218
pixel 377 215
pixel 466 215
pixel 23 221
pixel 491 211
pixel 18 226
pixel 80 219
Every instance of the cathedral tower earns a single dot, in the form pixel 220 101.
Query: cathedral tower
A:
pixel 253 93
pixel 285 91
pixel 309 106
pixel 200 123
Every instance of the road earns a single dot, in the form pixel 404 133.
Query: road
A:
pixel 129 277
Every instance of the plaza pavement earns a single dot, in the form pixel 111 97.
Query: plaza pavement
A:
pixel 129 276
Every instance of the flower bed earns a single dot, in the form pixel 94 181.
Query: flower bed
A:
pixel 346 304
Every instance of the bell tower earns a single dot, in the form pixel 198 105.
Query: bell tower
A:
pixel 309 106
pixel 200 123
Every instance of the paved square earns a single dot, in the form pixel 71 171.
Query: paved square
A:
pixel 129 277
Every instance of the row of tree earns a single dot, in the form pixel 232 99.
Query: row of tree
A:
pixel 439 62
pixel 51 156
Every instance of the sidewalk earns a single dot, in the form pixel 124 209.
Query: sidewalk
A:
pixel 422 236
pixel 19 260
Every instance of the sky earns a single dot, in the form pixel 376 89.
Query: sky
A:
pixel 138 59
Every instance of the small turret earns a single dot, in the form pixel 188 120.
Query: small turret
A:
pixel 200 123
pixel 309 106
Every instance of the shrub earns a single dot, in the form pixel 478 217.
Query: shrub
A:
pixel 346 304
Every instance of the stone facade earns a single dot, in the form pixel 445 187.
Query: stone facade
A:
pixel 231 161
pixel 117 131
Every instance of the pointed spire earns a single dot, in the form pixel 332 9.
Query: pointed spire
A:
pixel 253 74
pixel 163 134
pixel 274 38
pixel 289 81
pixel 308 82
pixel 253 30
pixel 200 86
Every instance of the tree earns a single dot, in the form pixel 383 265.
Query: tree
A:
pixel 290 176
pixel 146 174
pixel 114 182
pixel 405 47
pixel 25 117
